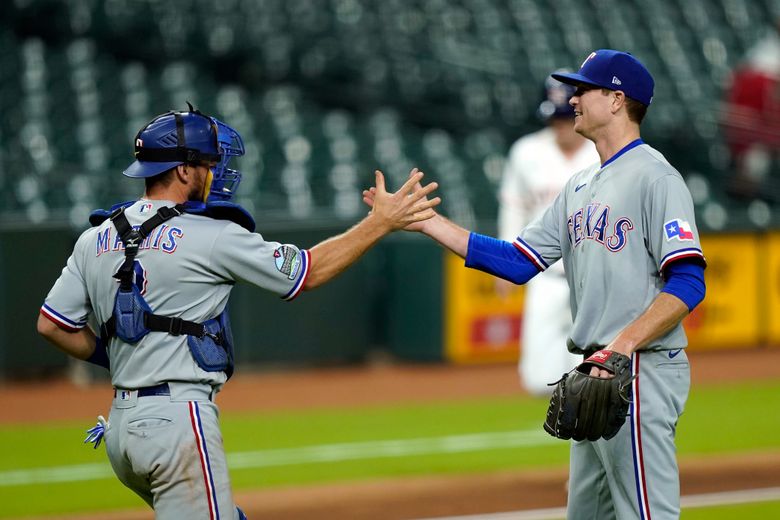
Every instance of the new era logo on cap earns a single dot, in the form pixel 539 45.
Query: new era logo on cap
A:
pixel 613 70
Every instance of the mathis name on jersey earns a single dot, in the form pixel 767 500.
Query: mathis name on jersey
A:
pixel 164 238
pixel 593 223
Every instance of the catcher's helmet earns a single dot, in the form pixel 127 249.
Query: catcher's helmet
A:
pixel 176 138
pixel 556 98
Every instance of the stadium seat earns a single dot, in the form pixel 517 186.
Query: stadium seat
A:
pixel 323 96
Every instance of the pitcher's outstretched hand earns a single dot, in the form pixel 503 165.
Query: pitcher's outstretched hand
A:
pixel 408 208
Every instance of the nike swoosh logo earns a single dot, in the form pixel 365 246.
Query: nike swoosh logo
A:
pixel 673 353
pixel 578 188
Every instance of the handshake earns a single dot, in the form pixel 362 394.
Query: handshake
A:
pixel 408 208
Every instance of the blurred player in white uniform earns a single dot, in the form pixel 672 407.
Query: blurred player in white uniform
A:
pixel 538 166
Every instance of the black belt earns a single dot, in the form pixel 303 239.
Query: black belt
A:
pixel 150 391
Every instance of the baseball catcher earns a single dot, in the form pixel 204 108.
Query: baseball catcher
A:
pixel 589 407
pixel 165 335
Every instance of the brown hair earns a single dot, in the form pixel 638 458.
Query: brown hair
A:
pixel 636 110
pixel 163 179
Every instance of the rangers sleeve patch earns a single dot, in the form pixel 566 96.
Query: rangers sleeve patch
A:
pixel 288 260
pixel 679 229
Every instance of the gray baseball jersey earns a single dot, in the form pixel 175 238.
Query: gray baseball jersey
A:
pixel 186 268
pixel 616 228
pixel 166 446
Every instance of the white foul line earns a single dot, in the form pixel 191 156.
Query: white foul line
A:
pixel 306 455
pixel 744 496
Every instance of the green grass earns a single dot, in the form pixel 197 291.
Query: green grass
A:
pixel 730 418
pixel 756 511
pixel 718 420
pixel 410 422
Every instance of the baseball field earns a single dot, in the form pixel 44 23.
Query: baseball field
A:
pixel 393 442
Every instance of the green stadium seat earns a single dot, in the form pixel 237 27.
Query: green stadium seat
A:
pixel 323 96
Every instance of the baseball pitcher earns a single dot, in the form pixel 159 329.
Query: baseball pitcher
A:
pixel 626 232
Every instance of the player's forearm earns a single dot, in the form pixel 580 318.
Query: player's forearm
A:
pixel 448 234
pixel 661 316
pixel 79 344
pixel 334 255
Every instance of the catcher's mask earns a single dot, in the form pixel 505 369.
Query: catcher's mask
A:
pixel 176 138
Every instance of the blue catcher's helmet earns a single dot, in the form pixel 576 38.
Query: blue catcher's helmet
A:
pixel 176 138
pixel 556 99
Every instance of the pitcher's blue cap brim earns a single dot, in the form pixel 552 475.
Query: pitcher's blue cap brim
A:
pixel 572 78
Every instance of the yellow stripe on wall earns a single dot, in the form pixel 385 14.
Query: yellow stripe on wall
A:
pixel 741 309
pixel 769 276
pixel 480 326
pixel 729 316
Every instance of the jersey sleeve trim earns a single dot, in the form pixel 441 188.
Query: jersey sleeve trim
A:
pixel 305 269
pixel 531 253
pixel 690 252
pixel 62 321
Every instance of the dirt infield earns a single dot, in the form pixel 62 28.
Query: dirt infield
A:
pixel 336 387
pixel 418 496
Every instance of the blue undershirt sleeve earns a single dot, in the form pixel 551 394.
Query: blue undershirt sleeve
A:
pixel 499 258
pixel 100 356
pixel 685 280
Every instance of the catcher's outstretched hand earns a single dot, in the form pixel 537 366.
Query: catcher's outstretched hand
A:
pixel 408 208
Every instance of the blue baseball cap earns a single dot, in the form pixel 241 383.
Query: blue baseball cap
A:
pixel 555 101
pixel 613 70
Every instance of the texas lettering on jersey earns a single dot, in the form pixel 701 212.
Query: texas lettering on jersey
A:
pixel 592 223
pixel 164 238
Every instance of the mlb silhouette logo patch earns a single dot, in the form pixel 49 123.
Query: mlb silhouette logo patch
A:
pixel 678 229
pixel 145 208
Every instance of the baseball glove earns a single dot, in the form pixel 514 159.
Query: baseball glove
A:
pixel 585 407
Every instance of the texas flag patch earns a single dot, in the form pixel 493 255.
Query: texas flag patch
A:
pixel 679 229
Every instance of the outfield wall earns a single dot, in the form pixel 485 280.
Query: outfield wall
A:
pixel 406 298
pixel 740 310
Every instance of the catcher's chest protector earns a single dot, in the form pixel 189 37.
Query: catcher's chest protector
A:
pixel 210 343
